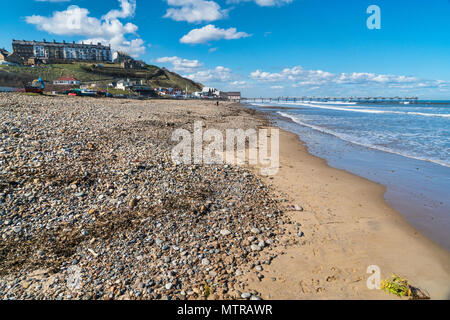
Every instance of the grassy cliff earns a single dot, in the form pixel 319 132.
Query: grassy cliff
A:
pixel 152 75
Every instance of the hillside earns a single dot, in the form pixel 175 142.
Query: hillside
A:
pixel 154 76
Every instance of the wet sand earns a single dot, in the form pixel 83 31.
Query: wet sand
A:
pixel 348 226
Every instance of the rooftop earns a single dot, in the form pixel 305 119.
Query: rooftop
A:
pixel 54 43
pixel 66 79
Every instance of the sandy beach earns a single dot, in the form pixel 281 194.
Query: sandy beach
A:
pixel 348 226
pixel 87 184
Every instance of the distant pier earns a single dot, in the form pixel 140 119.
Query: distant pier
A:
pixel 334 99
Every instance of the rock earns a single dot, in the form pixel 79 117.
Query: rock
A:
pixel 205 262
pixel 255 298
pixel 254 230
pixel 300 233
pixel 245 295
pixel 213 274
pixel 255 247
pixel 225 232
pixel 168 286
pixel 133 202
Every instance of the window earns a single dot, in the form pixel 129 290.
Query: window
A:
pixel 38 51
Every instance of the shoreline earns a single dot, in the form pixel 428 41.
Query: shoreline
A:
pixel 344 236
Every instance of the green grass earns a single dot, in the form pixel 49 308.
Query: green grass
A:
pixel 118 91
pixel 86 72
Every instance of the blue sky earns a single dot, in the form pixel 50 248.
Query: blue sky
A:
pixel 262 47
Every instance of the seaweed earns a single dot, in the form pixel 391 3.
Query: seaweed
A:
pixel 401 287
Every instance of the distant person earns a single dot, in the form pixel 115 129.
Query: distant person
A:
pixel 217 103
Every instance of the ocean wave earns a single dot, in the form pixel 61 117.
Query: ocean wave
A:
pixel 375 111
pixel 333 102
pixel 351 140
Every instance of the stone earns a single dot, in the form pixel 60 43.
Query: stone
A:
pixel 133 202
pixel 225 232
pixel 245 295
pixel 205 262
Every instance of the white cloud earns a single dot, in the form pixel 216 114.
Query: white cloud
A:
pixel 180 64
pixel 195 11
pixel 193 69
pixel 211 33
pixel 127 9
pixel 75 21
pixel 218 74
pixel 264 3
pixel 298 77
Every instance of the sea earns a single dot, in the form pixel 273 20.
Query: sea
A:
pixel 404 146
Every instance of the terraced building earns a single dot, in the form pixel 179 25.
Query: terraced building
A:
pixel 57 52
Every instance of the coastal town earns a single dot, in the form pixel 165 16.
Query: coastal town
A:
pixel 127 77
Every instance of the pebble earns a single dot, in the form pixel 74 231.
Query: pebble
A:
pixel 205 262
pixel 245 295
pixel 77 171
pixel 133 202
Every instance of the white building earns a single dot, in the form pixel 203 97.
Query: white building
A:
pixel 67 81
pixel 209 92
pixel 124 84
